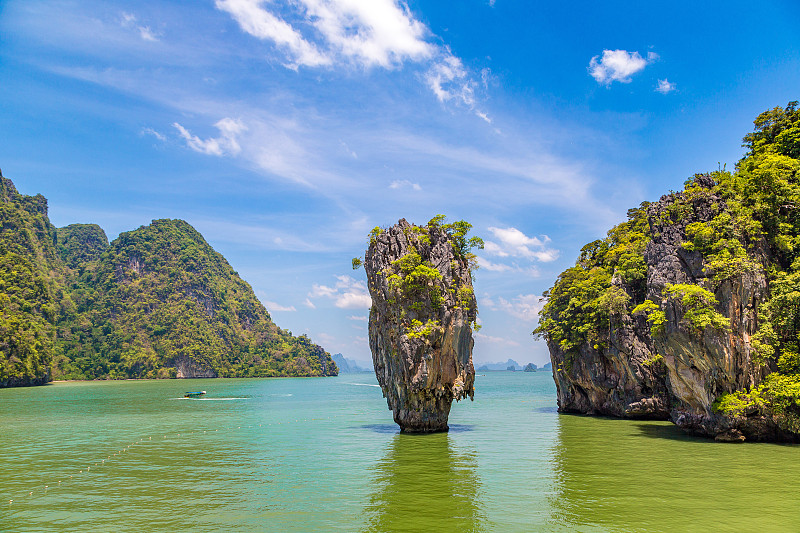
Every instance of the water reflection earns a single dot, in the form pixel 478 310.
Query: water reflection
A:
pixel 425 484
pixel 624 475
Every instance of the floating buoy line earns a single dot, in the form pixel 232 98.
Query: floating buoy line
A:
pixel 104 460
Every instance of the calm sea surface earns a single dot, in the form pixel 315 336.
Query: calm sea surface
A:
pixel 324 455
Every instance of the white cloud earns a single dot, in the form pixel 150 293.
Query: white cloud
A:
pixel 226 143
pixel 664 86
pixel 260 23
pixel 494 340
pixel 308 303
pixel 515 243
pixel 367 32
pixel 150 131
pixel 273 307
pixel 494 267
pixel 347 293
pixel 618 65
pixel 525 306
pixel 448 80
pixel 356 317
pixel 145 32
pixel 399 184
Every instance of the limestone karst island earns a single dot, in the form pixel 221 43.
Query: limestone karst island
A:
pixel 383 266
pixel 421 320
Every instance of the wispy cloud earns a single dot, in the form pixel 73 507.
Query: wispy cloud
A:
pixel 664 86
pixel 150 131
pixel 274 307
pixel 401 184
pixel 448 80
pixel 618 65
pixel 347 293
pixel 525 307
pixel 145 32
pixel 358 318
pixel 226 143
pixel 494 340
pixel 514 243
pixel 369 33
pixel 365 33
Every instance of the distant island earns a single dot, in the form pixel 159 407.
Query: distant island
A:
pixel 157 302
pixel 349 366
pixel 508 365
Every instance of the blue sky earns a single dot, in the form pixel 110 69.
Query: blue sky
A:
pixel 284 131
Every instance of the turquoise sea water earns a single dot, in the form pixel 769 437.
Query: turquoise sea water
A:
pixel 324 455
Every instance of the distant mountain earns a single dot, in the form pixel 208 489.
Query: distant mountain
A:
pixel 548 367
pixel 530 367
pixel 501 366
pixel 158 301
pixel 341 363
pixel 348 366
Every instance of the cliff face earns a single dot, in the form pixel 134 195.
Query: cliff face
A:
pixel 420 324
pixel 689 310
pixel 678 373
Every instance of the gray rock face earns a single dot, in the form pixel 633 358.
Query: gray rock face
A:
pixel 676 375
pixel 189 368
pixel 420 324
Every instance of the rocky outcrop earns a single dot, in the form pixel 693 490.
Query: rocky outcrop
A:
pixel 678 373
pixel 420 323
pixel 187 367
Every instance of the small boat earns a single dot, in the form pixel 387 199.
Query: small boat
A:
pixel 194 394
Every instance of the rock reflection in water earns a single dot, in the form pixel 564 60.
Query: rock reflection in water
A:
pixel 424 483
pixel 628 475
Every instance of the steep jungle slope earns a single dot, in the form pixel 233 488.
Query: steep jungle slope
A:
pixel 79 245
pixel 31 287
pixel 690 310
pixel 160 302
pixel 157 302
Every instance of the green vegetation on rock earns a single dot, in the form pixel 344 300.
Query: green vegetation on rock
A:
pixel 738 222
pixel 581 303
pixel 157 302
pixel 31 287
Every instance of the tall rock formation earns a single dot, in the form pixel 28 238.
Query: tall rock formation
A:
pixel 689 310
pixel 420 323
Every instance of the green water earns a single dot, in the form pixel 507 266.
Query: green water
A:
pixel 324 455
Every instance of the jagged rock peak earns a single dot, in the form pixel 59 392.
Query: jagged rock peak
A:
pixel 421 320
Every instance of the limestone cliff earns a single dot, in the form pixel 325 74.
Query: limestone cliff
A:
pixel 688 311
pixel 420 323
